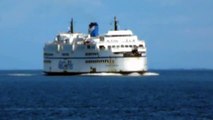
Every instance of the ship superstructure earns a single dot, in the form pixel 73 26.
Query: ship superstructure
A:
pixel 117 51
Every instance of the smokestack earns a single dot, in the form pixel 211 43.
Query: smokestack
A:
pixel 71 26
pixel 93 29
pixel 115 24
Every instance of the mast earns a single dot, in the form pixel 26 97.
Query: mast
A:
pixel 115 24
pixel 71 26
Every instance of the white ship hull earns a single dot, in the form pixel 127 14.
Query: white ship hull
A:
pixel 96 65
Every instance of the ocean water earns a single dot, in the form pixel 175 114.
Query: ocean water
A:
pixel 173 94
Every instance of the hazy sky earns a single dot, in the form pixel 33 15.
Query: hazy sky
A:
pixel 178 33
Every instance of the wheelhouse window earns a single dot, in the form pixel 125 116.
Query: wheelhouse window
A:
pixel 101 47
pixel 141 46
pixel 102 39
pixel 109 47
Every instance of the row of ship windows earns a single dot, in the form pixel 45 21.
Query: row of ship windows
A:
pixel 115 46
pixel 89 61
pixel 99 61
pixel 51 54
pixel 67 54
pixel 48 54
pixel 121 46
pixel 101 47
pixel 91 54
pixel 47 61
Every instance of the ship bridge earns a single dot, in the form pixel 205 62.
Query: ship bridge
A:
pixel 120 33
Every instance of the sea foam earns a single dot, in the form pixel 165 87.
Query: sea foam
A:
pixel 20 74
pixel 119 74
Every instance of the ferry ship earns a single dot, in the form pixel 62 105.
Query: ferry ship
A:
pixel 117 51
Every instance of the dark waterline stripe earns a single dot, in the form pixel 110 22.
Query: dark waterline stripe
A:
pixel 89 57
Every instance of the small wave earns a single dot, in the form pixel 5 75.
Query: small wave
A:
pixel 134 74
pixel 102 74
pixel 20 74
pixel 119 74
pixel 144 74
pixel 151 74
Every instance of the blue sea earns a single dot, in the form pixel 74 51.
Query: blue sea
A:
pixel 171 95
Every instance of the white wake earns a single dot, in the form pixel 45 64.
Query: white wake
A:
pixel 119 74
pixel 151 74
pixel 102 74
pixel 20 74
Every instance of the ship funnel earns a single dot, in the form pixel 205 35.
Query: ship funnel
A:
pixel 93 29
pixel 71 26
pixel 115 24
